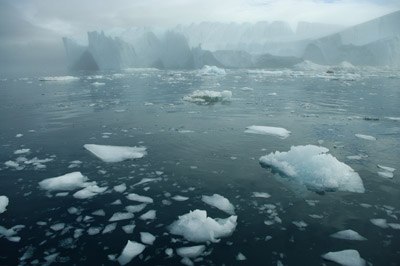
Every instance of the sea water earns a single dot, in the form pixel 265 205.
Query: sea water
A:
pixel 196 149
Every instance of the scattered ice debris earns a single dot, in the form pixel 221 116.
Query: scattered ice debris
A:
pixel 109 228
pixel 59 78
pixel 179 198
pixel 195 226
pixel 212 71
pixel 355 157
pixel 93 231
pixel 116 202
pixel 388 171
pixel 261 195
pixel 69 181
pixel 191 252
pixel 314 167
pixel 219 202
pixel 149 215
pixel 118 216
pixel 120 188
pixel 348 235
pixel 10 234
pixel 51 258
pixel 367 137
pixel 206 96
pixel 112 154
pixel 147 180
pixel 300 224
pixel 274 131
pixel 128 229
pixel 348 257
pixel 272 94
pixel 135 208
pixel 89 192
pixel 240 256
pixel 147 238
pixel 130 251
pixel 98 84
pixel 3 203
pixel 22 151
pixel 136 197
pixel 57 227
pixel 379 222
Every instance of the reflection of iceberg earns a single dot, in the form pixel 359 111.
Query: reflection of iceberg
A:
pixel 315 168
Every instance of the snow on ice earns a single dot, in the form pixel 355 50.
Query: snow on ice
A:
pixel 112 154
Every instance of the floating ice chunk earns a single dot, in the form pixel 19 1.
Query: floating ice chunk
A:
pixel 135 208
pixel 100 212
pixel 69 181
pixel 246 89
pixel 379 222
pixel 348 257
pixel 179 198
pixel 19 135
pixel 185 131
pixel 147 238
pixel 120 188
pixel 10 233
pixel 207 96
pixel 109 228
pixel 147 180
pixel 51 258
pixel 300 224
pixel 367 137
pixel 195 226
pixel 131 250
pixel 261 195
pixel 274 131
pixel 94 231
pixel 89 192
pixel 150 215
pixel 118 216
pixel 169 252
pixel 59 79
pixel 136 197
pixel 348 235
pixel 394 226
pixel 386 174
pixel 393 118
pixel 3 203
pixel 112 154
pixel 98 84
pixel 57 227
pixel 219 202
pixel 186 261
pixel 386 168
pixel 240 256
pixel 129 228
pixel 191 252
pixel 22 151
pixel 212 71
pixel 11 164
pixel 314 167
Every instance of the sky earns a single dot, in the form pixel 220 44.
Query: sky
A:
pixel 76 17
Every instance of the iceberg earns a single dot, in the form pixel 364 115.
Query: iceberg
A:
pixel 207 96
pixel 69 181
pixel 348 257
pixel 3 203
pixel 113 154
pixel 195 226
pixel 348 235
pixel 131 250
pixel 273 131
pixel 315 168
pixel 219 202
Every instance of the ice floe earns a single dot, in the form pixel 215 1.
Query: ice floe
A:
pixel 212 71
pixel 367 137
pixel 348 257
pixel 130 251
pixel 219 202
pixel 3 203
pixel 314 167
pixel 191 252
pixel 136 197
pixel 118 216
pixel 135 208
pixel 120 188
pixel 109 228
pixel 380 222
pixel 147 238
pixel 112 154
pixel 348 235
pixel 69 181
pixel 89 192
pixel 149 215
pixel 273 131
pixel 207 96
pixel 195 226
pixel 128 229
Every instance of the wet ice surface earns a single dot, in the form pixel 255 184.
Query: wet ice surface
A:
pixel 279 222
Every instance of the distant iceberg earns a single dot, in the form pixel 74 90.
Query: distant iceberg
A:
pixel 112 154
pixel 315 168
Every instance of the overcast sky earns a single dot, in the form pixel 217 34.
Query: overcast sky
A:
pixel 76 17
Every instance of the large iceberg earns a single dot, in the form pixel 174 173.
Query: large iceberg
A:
pixel 112 154
pixel 195 226
pixel 314 167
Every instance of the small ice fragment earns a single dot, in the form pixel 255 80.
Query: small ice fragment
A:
pixel 22 151
pixel 159 173
pixel 11 164
pixel 386 168
pixel 150 215
pixel 57 227
pixel 367 137
pixel 131 250
pixel 316 216
pixel 186 261
pixel 169 252
pixel 246 89
pixel 51 258
pixel 18 135
pixel 191 252
pixel 59 78
pixel 386 174
pixel 128 228
pixel 185 131
pixel 94 231
pixel 379 222
pixel 135 208
pixel 3 203
pixel 240 256
pixel 69 181
pixel 394 226
pixel 274 131
pixel 207 96
pixel 349 257
pixel 136 197
pixel 62 194
pixel 348 235
pixel 118 216
pixel 120 188
pixel 300 224
pixel 219 202
pixel 112 154
pixel 98 84
pixel 89 192
pixel 100 212
pixel 109 228
pixel 147 238
pixel 211 71
pixel 179 198
pixel 116 202
pixel 147 180
pixel 261 195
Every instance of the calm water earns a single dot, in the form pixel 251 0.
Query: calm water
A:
pixel 145 107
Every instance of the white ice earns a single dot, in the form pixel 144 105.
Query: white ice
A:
pixel 211 71
pixel 3 203
pixel 191 252
pixel 179 198
pixel 118 216
pixel 147 238
pixel 135 208
pixel 136 197
pixel 219 202
pixel 109 228
pixel 348 235
pixel 314 167
pixel 348 257
pixel 379 222
pixel 386 174
pixel 261 195
pixel 128 229
pixel 57 227
pixel 386 168
pixel 131 250
pixel 195 226
pixel 273 131
pixel 98 84
pixel 120 188
pixel 22 151
pixel 69 181
pixel 60 78
pixel 112 154
pixel 149 215
pixel 367 137
pixel 207 96
pixel 89 192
